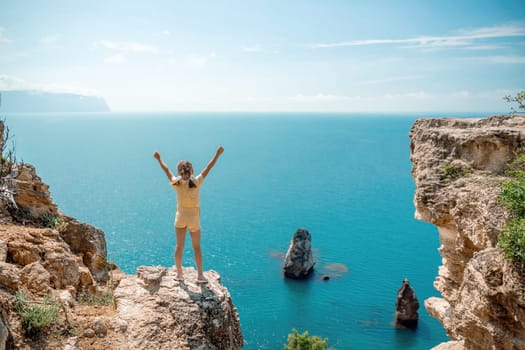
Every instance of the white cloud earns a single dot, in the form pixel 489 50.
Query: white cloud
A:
pixel 391 80
pixel 127 47
pixel 8 83
pixel 463 38
pixel 486 47
pixel 501 31
pixel 496 59
pixel 165 32
pixel 116 58
pixel 50 42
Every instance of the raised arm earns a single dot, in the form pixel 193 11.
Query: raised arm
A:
pixel 163 165
pixel 212 161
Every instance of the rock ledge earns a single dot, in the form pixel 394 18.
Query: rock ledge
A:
pixel 155 311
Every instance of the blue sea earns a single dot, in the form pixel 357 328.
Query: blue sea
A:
pixel 345 178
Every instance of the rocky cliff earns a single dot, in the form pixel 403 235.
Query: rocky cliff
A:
pixel 44 253
pixel 155 311
pixel 458 166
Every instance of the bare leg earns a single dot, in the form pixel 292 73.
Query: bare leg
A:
pixel 196 243
pixel 179 248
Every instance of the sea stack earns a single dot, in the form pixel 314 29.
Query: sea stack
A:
pixel 407 306
pixel 298 261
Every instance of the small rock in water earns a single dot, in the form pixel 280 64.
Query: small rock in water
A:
pixel 299 262
pixel 325 277
pixel 407 306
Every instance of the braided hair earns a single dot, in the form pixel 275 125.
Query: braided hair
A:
pixel 185 170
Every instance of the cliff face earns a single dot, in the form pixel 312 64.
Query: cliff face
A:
pixel 458 166
pixel 44 252
pixel 155 310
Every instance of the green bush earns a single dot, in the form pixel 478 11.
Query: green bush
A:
pixel 512 196
pixel 303 341
pixel 512 240
pixel 50 220
pixel 516 168
pixel 35 316
pixel 23 215
pixel 454 171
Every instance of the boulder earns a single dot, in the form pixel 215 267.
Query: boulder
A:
pixel 407 306
pixel 31 193
pixel 9 276
pixel 23 253
pixel 150 277
pixel 29 245
pixel 298 261
pixel 63 268
pixel 35 279
pixel 88 241
pixel 155 311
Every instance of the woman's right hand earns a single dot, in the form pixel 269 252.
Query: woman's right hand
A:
pixel 156 155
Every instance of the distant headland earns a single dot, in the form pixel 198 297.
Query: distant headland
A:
pixel 29 101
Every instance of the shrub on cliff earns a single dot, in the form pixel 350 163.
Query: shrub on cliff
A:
pixel 36 316
pixel 303 341
pixel 513 196
pixel 452 171
pixel 512 240
pixel 50 220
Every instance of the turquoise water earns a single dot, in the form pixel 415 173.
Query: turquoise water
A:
pixel 346 178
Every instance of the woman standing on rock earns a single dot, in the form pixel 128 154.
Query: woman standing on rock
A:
pixel 187 216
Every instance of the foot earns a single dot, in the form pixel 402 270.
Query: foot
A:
pixel 179 277
pixel 202 279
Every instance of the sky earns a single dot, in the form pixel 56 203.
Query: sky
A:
pixel 269 55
